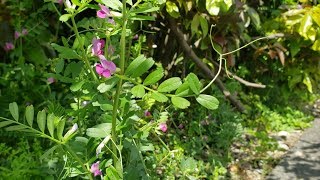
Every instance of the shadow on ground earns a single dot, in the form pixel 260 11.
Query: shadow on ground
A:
pixel 302 161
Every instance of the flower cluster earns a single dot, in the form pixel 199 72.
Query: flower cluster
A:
pixel 95 169
pixel 9 45
pixel 105 68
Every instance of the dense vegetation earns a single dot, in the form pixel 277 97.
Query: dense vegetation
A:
pixel 152 89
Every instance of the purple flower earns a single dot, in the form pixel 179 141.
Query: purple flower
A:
pixel 16 35
pixel 51 80
pixel 135 37
pixel 95 169
pixel 111 49
pixel 147 113
pixel 60 2
pixel 111 21
pixel 103 12
pixel 106 68
pixel 8 46
pixel 180 126
pixel 24 31
pixel 97 46
pixel 163 127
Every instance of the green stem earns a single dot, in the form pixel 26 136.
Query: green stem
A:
pixel 84 56
pixel 119 85
pixel 75 156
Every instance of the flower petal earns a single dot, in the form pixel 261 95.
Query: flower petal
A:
pixel 106 73
pixel 99 69
pixel 111 66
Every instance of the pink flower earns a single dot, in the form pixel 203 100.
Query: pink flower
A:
pixel 103 12
pixel 95 169
pixel 8 46
pixel 106 68
pixel 97 46
pixel 51 80
pixel 24 31
pixel 163 127
pixel 16 35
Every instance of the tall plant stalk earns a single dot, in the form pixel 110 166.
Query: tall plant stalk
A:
pixel 119 85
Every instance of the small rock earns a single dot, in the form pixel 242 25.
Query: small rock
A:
pixel 283 146
pixel 298 154
pixel 283 134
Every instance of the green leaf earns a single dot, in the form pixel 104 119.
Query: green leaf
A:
pixel 41 120
pixel 65 52
pixel 305 25
pixel 59 66
pixel 76 2
pixel 308 83
pixel 172 9
pixel 65 17
pixel 316 14
pixel 159 97
pixel 154 77
pixel 14 110
pixel 139 66
pixel 138 91
pixel 30 115
pixel 208 101
pixel 114 4
pixel 204 26
pixel 212 7
pixel 77 86
pixel 195 24
pixel 5 123
pixel 50 124
pixel 100 131
pixel 180 102
pixel 254 16
pixel 194 83
pixel 60 128
pixel 145 8
pixel 142 18
pixel 15 128
pixel 170 84
pixel 108 85
pixel 184 90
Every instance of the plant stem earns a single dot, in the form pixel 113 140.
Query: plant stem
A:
pixel 74 155
pixel 84 56
pixel 119 85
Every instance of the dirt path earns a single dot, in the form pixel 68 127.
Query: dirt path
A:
pixel 303 160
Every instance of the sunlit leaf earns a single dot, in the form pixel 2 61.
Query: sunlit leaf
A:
pixel 154 77
pixel 138 91
pixel 159 97
pixel 194 83
pixel 180 102
pixel 172 9
pixel 170 84
pixel 208 101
